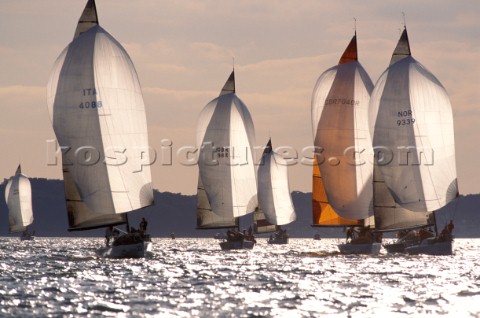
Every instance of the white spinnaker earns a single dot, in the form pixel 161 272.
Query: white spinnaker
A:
pixel 410 108
pixel 123 124
pixel 95 102
pixel 18 196
pixel 273 190
pixel 225 135
pixel 320 93
pixel 340 120
pixel 242 140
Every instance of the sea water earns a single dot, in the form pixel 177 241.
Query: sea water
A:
pixel 194 278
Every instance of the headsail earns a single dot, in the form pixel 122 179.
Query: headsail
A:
pixel 412 124
pixel 97 110
pixel 225 135
pixel 273 190
pixel 18 196
pixel 403 48
pixel 340 128
pixel 88 19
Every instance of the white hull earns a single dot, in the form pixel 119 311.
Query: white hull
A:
pixel 431 247
pixel 237 245
pixel 371 248
pixel 137 250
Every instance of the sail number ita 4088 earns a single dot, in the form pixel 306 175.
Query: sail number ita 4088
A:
pixel 93 104
pixel 405 118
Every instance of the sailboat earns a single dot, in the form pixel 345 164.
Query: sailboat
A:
pixel 18 196
pixel 412 125
pixel 98 115
pixel 227 184
pixel 274 197
pixel 342 191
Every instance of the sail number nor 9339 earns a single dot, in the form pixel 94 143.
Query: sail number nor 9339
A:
pixel 405 118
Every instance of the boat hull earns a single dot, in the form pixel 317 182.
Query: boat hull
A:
pixel 128 245
pixel 432 246
pixel 278 240
pixel 395 247
pixel 369 248
pixel 27 238
pixel 236 245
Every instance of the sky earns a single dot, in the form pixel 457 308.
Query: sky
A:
pixel 183 52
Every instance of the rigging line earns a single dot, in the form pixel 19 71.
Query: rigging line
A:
pixel 404 23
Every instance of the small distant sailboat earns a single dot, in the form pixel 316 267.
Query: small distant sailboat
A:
pixel 98 115
pixel 412 121
pixel 274 197
pixel 18 196
pixel 342 191
pixel 227 184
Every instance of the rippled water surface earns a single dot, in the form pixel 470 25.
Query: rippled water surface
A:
pixel 193 277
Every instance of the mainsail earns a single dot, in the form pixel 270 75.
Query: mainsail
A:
pixel 412 124
pixel 18 196
pixel 98 115
pixel 273 190
pixel 389 216
pixel 342 175
pixel 206 218
pixel 260 223
pixel 227 181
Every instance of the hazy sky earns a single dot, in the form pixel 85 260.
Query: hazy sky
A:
pixel 183 51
